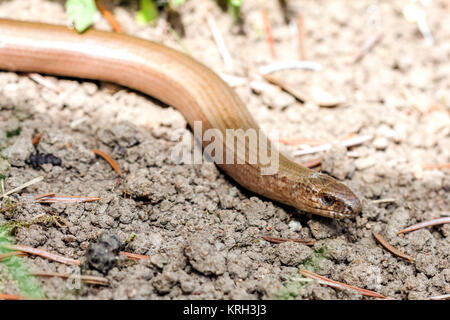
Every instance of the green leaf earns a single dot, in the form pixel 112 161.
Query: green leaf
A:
pixel 82 13
pixel 235 3
pixel 178 2
pixel 28 285
pixel 147 13
pixel 234 7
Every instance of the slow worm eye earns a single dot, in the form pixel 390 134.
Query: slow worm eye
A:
pixel 327 200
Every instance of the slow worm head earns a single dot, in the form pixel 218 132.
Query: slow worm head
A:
pixel 182 82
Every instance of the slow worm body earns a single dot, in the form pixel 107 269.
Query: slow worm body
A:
pixel 180 81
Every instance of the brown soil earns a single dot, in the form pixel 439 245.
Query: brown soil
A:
pixel 201 230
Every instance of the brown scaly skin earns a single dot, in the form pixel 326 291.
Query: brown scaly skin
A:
pixel 177 80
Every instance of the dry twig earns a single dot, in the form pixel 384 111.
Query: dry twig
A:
pixel 26 184
pixel 340 285
pixel 425 224
pixel 308 242
pixel 42 253
pixel 110 160
pixel 83 278
pixel 134 256
pixel 36 139
pixel 108 16
pixel 52 198
pixel 390 248
pixel 7 296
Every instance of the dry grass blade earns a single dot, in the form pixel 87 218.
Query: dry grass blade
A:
pixel 310 142
pixel 390 248
pixel 440 166
pixel 442 297
pixel 108 16
pixel 312 163
pixel 36 77
pixel 42 253
pixel 268 30
pixel 134 256
pixel 288 65
pixel 356 140
pixel 370 43
pixel 233 81
pixel 108 159
pixel 46 195
pixel 219 41
pixel 350 142
pixel 387 200
pixel 52 198
pixel 340 285
pixel 26 184
pixel 301 36
pixel 4 256
pixel 83 278
pixel 308 242
pixel 37 138
pixel 312 93
pixel 425 224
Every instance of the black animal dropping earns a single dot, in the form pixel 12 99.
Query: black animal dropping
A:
pixel 37 159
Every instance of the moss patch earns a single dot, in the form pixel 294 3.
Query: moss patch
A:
pixel 293 285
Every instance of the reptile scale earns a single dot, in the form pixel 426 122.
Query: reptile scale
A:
pixel 182 82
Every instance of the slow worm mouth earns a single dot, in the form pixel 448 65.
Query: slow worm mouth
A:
pixel 331 214
pixel 339 215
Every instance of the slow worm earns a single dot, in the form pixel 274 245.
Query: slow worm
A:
pixel 180 81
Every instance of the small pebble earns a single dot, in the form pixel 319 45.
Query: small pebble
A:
pixel 380 143
pixel 103 254
pixel 294 225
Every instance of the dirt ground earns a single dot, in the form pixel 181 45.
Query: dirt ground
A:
pixel 201 230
